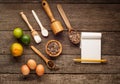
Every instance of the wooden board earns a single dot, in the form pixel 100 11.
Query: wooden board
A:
pixel 64 62
pixel 84 15
pixel 61 79
pixel 63 1
pixel 110 43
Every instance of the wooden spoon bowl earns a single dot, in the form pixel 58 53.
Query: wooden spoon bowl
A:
pixel 74 36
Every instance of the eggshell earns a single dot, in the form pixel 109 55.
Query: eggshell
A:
pixel 25 70
pixel 32 64
pixel 40 70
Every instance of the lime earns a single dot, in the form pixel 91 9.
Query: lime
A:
pixel 16 49
pixel 25 39
pixel 18 32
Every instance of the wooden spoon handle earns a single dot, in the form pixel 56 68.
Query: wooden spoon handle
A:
pixel 48 10
pixel 39 53
pixel 62 13
pixel 26 20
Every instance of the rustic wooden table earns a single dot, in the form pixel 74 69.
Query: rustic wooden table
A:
pixel 91 15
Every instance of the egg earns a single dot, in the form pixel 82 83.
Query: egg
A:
pixel 32 64
pixel 25 69
pixel 40 70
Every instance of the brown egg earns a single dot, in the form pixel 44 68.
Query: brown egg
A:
pixel 31 64
pixel 40 70
pixel 25 70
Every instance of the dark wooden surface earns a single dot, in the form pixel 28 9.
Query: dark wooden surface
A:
pixel 84 15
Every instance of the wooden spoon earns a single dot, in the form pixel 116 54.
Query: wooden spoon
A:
pixel 49 63
pixel 74 36
pixel 44 31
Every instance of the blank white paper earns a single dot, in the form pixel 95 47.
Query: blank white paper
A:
pixel 90 46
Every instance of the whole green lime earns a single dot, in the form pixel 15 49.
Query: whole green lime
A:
pixel 18 32
pixel 25 39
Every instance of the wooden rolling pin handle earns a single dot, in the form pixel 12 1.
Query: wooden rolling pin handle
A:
pixel 48 10
pixel 26 20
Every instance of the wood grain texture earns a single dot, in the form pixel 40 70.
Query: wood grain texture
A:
pixel 64 62
pixel 110 43
pixel 61 79
pixel 63 1
pixel 83 17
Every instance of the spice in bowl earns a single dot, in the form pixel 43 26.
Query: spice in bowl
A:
pixel 53 48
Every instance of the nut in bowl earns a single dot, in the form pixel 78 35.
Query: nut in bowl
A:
pixel 53 48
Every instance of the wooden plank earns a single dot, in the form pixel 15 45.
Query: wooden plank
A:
pixel 110 43
pixel 105 18
pixel 64 62
pixel 61 79
pixel 62 1
pixel 86 17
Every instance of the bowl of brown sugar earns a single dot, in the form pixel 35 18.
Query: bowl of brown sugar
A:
pixel 53 48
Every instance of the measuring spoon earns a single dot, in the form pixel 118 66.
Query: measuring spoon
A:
pixel 44 31
pixel 49 63
pixel 74 36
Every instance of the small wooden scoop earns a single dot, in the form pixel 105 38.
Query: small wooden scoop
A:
pixel 49 63
pixel 74 36
pixel 34 32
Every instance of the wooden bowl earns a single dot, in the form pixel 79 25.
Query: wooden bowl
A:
pixel 53 48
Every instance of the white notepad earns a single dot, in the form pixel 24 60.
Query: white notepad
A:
pixel 90 46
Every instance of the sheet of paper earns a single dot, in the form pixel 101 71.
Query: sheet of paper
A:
pixel 90 46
